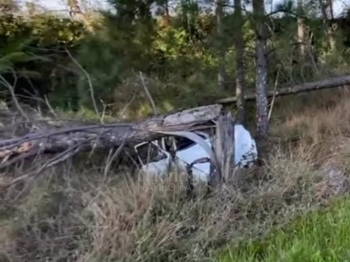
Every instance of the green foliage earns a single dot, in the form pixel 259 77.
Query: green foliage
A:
pixel 167 52
pixel 178 53
pixel 32 54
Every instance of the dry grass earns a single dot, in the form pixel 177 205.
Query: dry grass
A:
pixel 73 214
pixel 315 125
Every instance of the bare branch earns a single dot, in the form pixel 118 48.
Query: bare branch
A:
pixel 274 95
pixel 12 92
pixel 155 111
pixel 286 11
pixel 50 107
pixel 121 115
pixel 90 84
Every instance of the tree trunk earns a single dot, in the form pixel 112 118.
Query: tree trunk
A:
pixel 166 5
pixel 327 21
pixel 240 76
pixel 262 122
pixel 331 25
pixel 223 150
pixel 307 87
pixel 301 38
pixel 220 40
pixel 301 31
pixel 71 140
pixel 331 12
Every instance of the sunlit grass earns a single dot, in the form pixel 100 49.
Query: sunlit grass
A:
pixel 320 236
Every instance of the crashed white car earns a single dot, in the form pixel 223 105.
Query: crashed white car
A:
pixel 245 155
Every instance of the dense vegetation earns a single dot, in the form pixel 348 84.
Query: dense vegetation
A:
pixel 78 211
pixel 177 53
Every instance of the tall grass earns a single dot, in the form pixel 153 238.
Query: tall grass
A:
pixel 74 214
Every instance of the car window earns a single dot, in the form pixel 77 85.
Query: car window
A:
pixel 184 143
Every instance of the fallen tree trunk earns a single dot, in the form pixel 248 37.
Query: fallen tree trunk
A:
pixel 71 140
pixel 307 87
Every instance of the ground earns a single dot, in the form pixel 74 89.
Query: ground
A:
pixel 79 212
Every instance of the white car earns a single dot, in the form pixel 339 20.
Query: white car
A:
pixel 245 155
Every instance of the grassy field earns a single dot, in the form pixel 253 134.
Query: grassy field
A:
pixel 78 212
pixel 320 236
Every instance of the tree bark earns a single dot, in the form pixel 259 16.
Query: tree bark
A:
pixel 262 122
pixel 307 87
pixel 240 76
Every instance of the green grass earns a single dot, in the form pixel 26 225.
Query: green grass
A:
pixel 321 236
